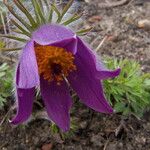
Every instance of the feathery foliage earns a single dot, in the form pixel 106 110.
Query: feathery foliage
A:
pixel 5 83
pixel 129 93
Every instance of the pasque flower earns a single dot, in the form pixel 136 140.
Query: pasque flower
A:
pixel 55 59
pixel 53 55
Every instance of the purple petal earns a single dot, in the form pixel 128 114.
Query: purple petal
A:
pixel 88 88
pixel 25 102
pixel 90 59
pixel 55 35
pixel 51 33
pixel 58 102
pixel 25 99
pixel 68 44
pixel 28 69
pixel 103 73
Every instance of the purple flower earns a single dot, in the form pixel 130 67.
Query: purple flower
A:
pixel 54 59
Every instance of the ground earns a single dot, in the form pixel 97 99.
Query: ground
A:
pixel 116 33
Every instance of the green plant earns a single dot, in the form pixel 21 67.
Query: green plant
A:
pixel 2 44
pixel 5 83
pixel 2 12
pixel 129 93
pixel 64 135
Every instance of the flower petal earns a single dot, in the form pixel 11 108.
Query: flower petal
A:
pixel 103 73
pixel 25 99
pixel 55 35
pixel 28 69
pixel 88 88
pixel 95 65
pixel 58 102
pixel 68 44
pixel 25 102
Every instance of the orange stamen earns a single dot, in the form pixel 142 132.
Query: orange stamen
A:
pixel 54 63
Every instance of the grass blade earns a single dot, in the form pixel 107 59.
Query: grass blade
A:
pixel 38 11
pixel 10 49
pixel 17 17
pixel 47 5
pixel 84 31
pixel 26 12
pixel 55 9
pixel 41 5
pixel 21 28
pixel 50 17
pixel 49 11
pixel 18 32
pixel 66 8
pixel 75 17
pixel 12 37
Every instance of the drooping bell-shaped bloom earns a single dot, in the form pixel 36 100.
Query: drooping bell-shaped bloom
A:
pixel 55 58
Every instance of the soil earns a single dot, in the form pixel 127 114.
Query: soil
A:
pixel 116 33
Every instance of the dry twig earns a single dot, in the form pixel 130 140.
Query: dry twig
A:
pixel 113 4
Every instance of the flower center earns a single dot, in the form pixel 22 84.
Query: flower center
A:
pixel 54 63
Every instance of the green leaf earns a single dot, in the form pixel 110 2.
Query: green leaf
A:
pixel 12 37
pixel 128 89
pixel 2 101
pixel 54 128
pixel 75 17
pixel 26 12
pixel 127 111
pixel 3 67
pixel 66 8
pixel 84 31
pixel 2 74
pixel 21 28
pixel 147 83
pixel 55 9
pixel 2 44
pixel 38 11
pixel 47 5
pixel 18 17
pixel 50 17
pixel 10 49
pixel 119 107
pixel 6 81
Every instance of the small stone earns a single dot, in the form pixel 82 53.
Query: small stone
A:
pixel 97 140
pixel 83 124
pixel 73 147
pixel 120 145
pixel 47 146
pixel 141 140
pixel 36 140
pixel 95 19
pixel 145 24
pixel 112 146
pixel 129 147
